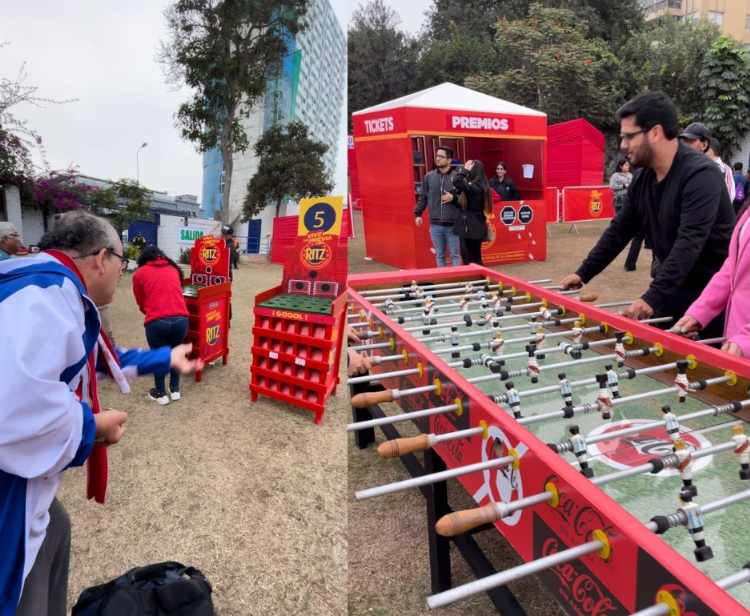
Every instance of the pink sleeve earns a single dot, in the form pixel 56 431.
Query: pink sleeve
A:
pixel 714 298
pixel 742 338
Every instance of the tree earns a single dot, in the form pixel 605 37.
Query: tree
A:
pixel 224 50
pixel 725 82
pixel 291 165
pixel 549 64
pixel 666 56
pixel 453 60
pixel 132 203
pixel 382 61
pixel 610 20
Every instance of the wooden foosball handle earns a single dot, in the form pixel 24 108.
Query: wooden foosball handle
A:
pixel 401 446
pixel 589 297
pixel 362 401
pixel 461 521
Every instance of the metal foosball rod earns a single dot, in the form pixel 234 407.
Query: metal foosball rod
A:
pixel 459 522
pixel 389 395
pixel 381 421
pixel 429 308
pixel 419 296
pixel 714 411
pixel 477 361
pixel 429 287
pixel 599 544
pixel 606 407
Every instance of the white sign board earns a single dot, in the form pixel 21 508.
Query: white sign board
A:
pixel 188 235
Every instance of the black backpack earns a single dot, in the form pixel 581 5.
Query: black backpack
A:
pixel 164 589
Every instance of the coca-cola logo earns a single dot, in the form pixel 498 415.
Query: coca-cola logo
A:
pixel 583 520
pixel 503 484
pixel 579 585
pixel 636 449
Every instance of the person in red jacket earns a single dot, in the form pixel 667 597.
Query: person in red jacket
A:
pixel 157 285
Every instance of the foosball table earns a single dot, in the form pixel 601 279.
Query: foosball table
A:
pixel 612 455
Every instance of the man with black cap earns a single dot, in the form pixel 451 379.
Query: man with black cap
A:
pixel 696 136
pixel 227 234
pixel 678 200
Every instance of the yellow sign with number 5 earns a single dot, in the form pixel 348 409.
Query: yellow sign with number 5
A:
pixel 320 215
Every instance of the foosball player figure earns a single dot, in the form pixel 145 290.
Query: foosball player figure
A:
pixel 672 425
pixel 495 301
pixel 428 312
pixel 685 465
pixel 681 380
pixel 620 348
pixel 694 526
pixel 497 343
pixel 468 289
pixel 546 314
pixel 481 294
pixel 578 444
pixel 605 402
pixel 539 340
pixel 566 391
pixel 490 363
pixel 532 326
pixel 416 290
pixel 390 306
pixel 577 330
pixel 455 341
pixel 486 316
pixel 463 304
pixel 612 381
pixel 742 450
pixel 514 400
pixel 532 365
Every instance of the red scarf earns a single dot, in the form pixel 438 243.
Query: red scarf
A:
pixel 97 467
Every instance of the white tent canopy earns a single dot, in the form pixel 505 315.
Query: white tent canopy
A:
pixel 451 96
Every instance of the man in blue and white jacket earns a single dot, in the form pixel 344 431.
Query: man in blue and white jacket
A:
pixel 49 416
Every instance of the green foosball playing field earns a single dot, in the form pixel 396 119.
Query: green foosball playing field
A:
pixel 300 303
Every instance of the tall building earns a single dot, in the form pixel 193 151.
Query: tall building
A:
pixel 732 16
pixel 308 88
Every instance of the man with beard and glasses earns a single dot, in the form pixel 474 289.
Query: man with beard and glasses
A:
pixel 679 202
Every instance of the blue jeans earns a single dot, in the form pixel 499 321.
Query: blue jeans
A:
pixel 442 237
pixel 167 331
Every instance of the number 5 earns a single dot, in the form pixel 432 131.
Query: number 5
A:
pixel 319 219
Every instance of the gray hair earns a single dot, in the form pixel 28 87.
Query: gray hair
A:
pixel 79 232
pixel 6 229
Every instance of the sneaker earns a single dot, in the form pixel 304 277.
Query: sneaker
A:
pixel 174 393
pixel 160 397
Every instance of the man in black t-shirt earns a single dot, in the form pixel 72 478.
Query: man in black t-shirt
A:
pixel 678 200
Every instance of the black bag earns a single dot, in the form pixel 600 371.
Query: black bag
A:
pixel 164 589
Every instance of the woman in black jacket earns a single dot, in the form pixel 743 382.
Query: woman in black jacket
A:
pixel 475 200
pixel 503 185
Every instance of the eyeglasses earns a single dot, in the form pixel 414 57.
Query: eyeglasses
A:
pixel 627 137
pixel 441 156
pixel 123 260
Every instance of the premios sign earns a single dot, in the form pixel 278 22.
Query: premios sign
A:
pixel 188 235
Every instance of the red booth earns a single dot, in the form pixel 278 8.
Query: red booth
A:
pixel 575 155
pixel 354 192
pixel 396 144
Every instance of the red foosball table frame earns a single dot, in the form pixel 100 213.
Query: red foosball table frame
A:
pixel 208 323
pixel 641 563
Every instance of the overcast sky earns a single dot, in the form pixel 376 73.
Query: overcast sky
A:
pixel 102 53
pixel 411 12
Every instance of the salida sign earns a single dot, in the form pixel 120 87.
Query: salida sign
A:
pixel 188 235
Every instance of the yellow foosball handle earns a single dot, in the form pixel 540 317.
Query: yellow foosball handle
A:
pixel 362 401
pixel 462 521
pixel 401 446
pixel 589 297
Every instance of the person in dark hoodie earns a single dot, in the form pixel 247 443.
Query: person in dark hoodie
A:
pixel 680 204
pixel 157 286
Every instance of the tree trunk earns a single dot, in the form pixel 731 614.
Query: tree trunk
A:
pixel 278 206
pixel 226 155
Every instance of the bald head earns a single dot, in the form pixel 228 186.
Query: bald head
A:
pixel 10 240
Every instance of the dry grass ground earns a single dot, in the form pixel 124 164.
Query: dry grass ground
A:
pixel 388 557
pixel 252 494
pixel 256 495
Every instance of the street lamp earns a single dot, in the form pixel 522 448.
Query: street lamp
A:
pixel 137 170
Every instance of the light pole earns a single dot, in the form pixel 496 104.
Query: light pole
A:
pixel 137 170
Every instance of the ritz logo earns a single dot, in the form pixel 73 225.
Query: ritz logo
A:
pixel 595 203
pixel 316 255
pixel 213 305
pixel 212 334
